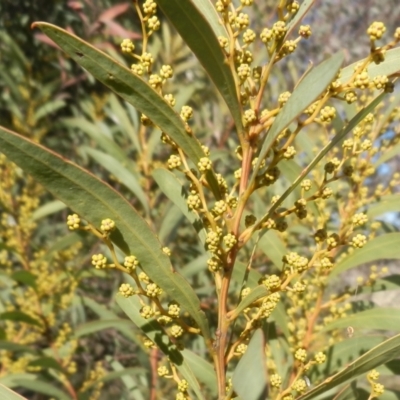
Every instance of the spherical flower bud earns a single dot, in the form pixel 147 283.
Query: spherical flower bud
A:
pixel 288 47
pixel 238 173
pixel 242 21
pixel 306 185
pixel 366 145
pixel 155 81
pixel 166 72
pixel 229 240
pixel 193 201
pixel 279 29
pixel 176 331
pixel 147 59
pixel 153 23
pixel 130 263
pixel 204 164
pixel 377 389
pixel 249 36
pixel 380 81
pixel 359 241
pixel 249 116
pixel 127 46
pixel 275 380
pixel 183 385
pixel 107 225
pixel 300 385
pixel 289 153
pixel 223 41
pixel 300 355
pixel 143 277
pixel 326 263
pixel 186 113
pixel 299 287
pixel 305 31
pixel 149 344
pixel 170 99
pixel 266 35
pixel 283 98
pixel 99 261
pixel 174 309
pixel 376 30
pixel 241 349
pixel 244 71
pixel 373 375
pixel 146 312
pixel 246 2
pixel 326 193
pixel 73 222
pixel 320 357
pixel 361 80
pixel 162 371
pixel 152 290
pixel 149 7
pixel 327 114
pixel 359 219
pixel 137 69
pixel 350 97
pixel 220 207
pixel 272 282
pixel 126 290
pixel 174 161
pixel 214 264
pixel 166 250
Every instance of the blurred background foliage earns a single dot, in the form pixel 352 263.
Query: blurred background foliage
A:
pixel 89 351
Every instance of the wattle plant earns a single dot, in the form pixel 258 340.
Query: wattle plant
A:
pixel 252 304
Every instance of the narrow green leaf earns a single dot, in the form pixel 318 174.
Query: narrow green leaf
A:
pixel 42 387
pixel 11 346
pixel 95 133
pixel 48 108
pixel 95 326
pixel 8 394
pixel 250 376
pixel 155 332
pixel 94 200
pixel 19 316
pixel 384 352
pixel 390 66
pixel 105 314
pixel 171 221
pixel 272 246
pixel 256 294
pixel 131 382
pixel 173 189
pixel 47 363
pixel 388 155
pixel 376 318
pixel 126 177
pixel 386 204
pixel 195 20
pixel 24 277
pixel 385 247
pixel 308 90
pixel 47 209
pixel 131 88
pixel 203 370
